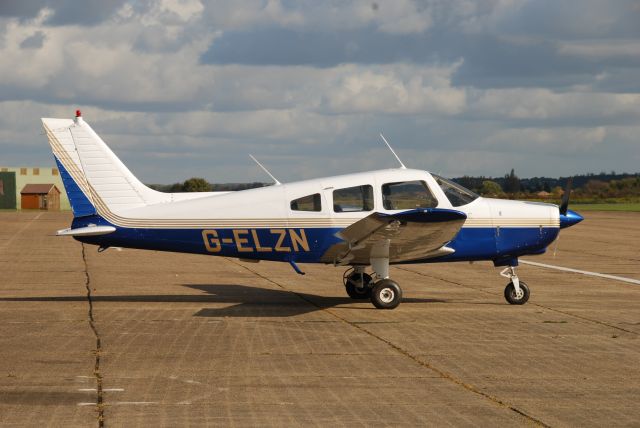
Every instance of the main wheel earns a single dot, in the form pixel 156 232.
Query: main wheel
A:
pixel 358 285
pixel 516 298
pixel 386 294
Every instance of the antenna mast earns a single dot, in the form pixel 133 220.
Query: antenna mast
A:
pixel 394 153
pixel 265 170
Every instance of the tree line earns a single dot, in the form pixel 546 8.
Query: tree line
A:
pixel 197 184
pixel 592 187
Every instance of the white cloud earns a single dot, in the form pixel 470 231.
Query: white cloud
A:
pixel 395 89
pixel 547 140
pixel 139 78
pixel 539 103
pixel 601 49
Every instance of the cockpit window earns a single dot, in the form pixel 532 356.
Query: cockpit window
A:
pixel 457 194
pixel 352 199
pixel 407 195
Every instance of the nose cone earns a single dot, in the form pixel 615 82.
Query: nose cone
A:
pixel 569 219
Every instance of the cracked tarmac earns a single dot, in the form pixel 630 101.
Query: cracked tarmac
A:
pixel 147 338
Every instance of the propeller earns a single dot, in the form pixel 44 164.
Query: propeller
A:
pixel 564 206
pixel 569 219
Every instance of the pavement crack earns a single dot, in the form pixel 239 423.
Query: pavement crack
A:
pixel 441 373
pixel 98 351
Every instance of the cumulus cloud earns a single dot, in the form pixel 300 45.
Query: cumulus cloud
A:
pixel 399 89
pixel 459 86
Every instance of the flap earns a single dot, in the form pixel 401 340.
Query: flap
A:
pixel 411 235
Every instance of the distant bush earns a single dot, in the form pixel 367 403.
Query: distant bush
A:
pixel 196 184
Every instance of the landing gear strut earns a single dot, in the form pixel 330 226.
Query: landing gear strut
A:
pixel 516 292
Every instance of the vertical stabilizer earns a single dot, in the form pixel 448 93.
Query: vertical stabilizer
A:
pixel 94 178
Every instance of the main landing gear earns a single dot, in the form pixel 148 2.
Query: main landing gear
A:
pixel 516 292
pixel 357 283
pixel 383 292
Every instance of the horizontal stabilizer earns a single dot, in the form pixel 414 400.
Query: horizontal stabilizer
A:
pixel 87 231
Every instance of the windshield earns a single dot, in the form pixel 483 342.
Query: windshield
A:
pixel 456 194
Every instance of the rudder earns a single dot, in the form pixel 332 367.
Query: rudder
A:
pixel 95 179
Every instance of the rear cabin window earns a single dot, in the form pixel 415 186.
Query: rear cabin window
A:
pixel 407 195
pixel 353 199
pixel 307 203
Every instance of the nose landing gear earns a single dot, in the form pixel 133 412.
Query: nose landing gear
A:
pixel 516 292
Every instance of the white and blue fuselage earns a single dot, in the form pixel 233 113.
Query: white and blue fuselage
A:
pixel 303 221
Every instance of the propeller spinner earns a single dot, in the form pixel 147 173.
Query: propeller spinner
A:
pixel 568 217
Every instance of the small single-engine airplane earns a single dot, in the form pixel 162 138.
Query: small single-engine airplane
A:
pixel 375 219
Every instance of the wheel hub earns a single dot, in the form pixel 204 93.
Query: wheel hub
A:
pixel 387 295
pixel 518 294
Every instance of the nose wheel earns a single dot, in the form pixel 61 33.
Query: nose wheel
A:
pixel 516 297
pixel 516 292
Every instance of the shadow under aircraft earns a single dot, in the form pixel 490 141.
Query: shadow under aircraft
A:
pixel 245 300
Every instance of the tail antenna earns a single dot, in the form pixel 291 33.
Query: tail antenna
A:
pixel 265 170
pixel 392 151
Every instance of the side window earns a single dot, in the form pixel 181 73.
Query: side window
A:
pixel 352 199
pixel 407 195
pixel 307 203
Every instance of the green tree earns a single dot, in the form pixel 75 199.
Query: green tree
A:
pixel 596 188
pixel 511 182
pixel 490 188
pixel 196 185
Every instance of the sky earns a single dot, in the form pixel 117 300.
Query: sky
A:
pixel 190 88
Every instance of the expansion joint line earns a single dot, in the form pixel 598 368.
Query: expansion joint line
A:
pixel 580 317
pixel 98 350
pixel 443 374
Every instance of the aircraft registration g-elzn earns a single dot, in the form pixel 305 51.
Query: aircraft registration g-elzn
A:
pixel 358 220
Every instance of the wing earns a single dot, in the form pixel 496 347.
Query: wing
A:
pixel 407 236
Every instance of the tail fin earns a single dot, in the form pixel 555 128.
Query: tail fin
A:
pixel 95 179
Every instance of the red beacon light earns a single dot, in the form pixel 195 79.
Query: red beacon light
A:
pixel 78 113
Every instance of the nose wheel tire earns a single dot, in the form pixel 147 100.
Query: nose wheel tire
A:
pixel 358 285
pixel 515 298
pixel 386 294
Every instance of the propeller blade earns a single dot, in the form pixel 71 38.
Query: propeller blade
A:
pixel 564 206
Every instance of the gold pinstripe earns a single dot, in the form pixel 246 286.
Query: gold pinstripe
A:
pixel 102 209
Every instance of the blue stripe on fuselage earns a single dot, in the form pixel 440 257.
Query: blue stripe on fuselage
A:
pixel 308 245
